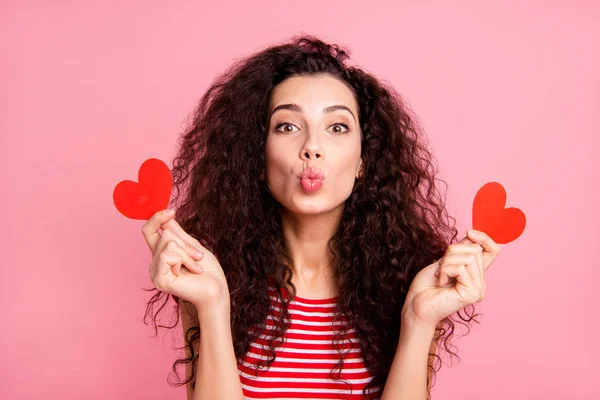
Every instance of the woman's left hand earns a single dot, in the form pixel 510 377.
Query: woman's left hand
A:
pixel 451 283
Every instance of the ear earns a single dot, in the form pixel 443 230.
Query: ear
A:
pixel 359 169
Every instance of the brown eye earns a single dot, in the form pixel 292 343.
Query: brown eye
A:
pixel 339 131
pixel 287 127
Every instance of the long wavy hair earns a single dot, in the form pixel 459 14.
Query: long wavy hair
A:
pixel 394 222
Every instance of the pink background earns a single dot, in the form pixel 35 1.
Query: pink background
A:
pixel 507 91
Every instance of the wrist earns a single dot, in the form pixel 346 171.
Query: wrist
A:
pixel 415 331
pixel 217 310
pixel 410 322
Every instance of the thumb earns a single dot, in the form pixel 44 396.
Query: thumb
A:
pixel 151 227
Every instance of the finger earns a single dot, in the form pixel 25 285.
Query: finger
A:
pixel 469 291
pixel 437 271
pixel 168 266
pixel 193 251
pixel 451 274
pixel 191 264
pixel 173 225
pixel 461 248
pixel 466 240
pixel 470 247
pixel 164 267
pixel 150 227
pixel 185 259
pixel 469 260
pixel 168 236
pixel 490 247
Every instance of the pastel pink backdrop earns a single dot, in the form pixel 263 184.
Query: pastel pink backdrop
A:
pixel 507 92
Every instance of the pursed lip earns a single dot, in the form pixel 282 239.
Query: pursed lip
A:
pixel 311 173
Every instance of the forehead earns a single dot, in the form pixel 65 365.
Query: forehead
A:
pixel 316 91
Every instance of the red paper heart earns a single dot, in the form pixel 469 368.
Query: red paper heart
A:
pixel 141 200
pixel 503 225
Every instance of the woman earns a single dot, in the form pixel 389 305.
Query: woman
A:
pixel 304 181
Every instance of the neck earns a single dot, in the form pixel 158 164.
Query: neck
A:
pixel 306 238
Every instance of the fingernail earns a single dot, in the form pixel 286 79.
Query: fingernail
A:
pixel 474 233
pixel 169 211
pixel 198 253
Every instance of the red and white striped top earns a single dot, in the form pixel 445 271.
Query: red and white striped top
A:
pixel 304 360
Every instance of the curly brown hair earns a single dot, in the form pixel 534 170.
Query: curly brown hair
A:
pixel 394 222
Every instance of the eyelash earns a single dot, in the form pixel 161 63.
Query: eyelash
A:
pixel 339 123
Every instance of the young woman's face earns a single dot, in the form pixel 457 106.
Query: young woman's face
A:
pixel 313 122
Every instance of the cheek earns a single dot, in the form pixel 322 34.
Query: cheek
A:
pixel 346 162
pixel 276 149
pixel 345 180
pixel 276 160
pixel 279 167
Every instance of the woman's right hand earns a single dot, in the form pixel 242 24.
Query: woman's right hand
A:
pixel 202 281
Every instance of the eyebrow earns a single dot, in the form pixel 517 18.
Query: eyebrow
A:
pixel 297 108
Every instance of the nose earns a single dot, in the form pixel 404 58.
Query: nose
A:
pixel 312 149
pixel 309 154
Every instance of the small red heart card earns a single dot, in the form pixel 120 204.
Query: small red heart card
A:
pixel 503 225
pixel 152 192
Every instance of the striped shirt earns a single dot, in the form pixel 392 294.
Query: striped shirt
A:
pixel 303 361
